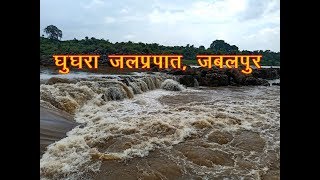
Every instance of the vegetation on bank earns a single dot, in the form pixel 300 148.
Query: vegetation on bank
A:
pixel 52 45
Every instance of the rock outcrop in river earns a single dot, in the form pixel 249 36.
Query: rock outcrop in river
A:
pixel 193 77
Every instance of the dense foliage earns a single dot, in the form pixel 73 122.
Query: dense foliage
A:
pixel 48 47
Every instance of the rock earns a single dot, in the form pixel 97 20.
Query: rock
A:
pixel 165 71
pixel 188 81
pixel 275 84
pixel 177 72
pixel 266 73
pixel 223 77
pixel 155 69
pixel 216 79
pixel 236 75
pixel 203 72
pixel 190 71
pixel 265 82
pixel 250 80
pixel 278 71
pixel 223 80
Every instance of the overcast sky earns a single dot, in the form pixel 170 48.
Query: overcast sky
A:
pixel 248 24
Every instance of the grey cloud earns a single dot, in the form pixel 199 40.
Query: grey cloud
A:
pixel 255 9
pixel 80 18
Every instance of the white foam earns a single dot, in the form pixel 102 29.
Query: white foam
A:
pixel 171 85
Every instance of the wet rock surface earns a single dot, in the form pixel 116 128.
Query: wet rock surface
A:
pixel 223 77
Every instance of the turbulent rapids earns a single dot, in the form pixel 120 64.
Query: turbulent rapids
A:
pixel 151 127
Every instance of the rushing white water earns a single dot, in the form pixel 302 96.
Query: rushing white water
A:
pixel 144 118
pixel 172 85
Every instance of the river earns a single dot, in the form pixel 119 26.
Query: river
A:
pixel 128 127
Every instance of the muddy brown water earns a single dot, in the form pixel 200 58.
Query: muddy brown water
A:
pixel 206 133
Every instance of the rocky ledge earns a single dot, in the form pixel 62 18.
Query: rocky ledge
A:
pixel 193 77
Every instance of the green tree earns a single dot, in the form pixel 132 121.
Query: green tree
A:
pixel 223 47
pixel 53 32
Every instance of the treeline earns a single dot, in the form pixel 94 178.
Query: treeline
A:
pixel 48 47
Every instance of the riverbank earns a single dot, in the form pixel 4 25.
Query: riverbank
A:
pixel 54 124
